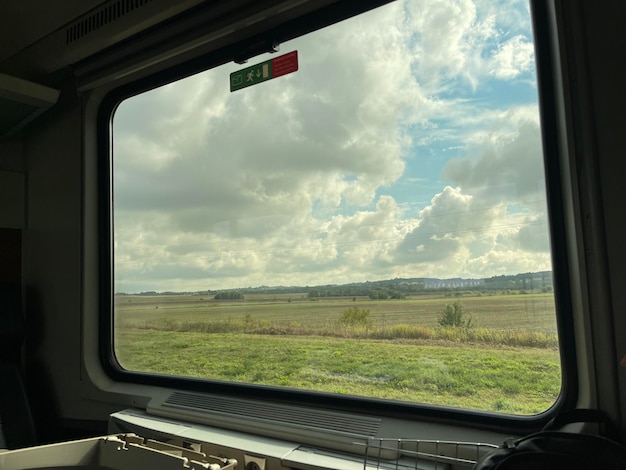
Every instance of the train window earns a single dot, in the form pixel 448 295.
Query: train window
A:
pixel 373 224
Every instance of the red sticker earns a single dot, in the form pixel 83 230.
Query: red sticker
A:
pixel 285 64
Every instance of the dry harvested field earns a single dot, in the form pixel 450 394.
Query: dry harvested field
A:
pixel 521 312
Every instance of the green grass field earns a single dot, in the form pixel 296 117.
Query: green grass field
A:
pixel 507 363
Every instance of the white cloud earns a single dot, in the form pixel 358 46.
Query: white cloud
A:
pixel 494 218
pixel 308 193
pixel 510 167
pixel 446 34
pixel 513 58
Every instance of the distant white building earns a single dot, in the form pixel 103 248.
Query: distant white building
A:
pixel 453 283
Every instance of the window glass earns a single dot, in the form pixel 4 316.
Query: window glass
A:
pixel 373 224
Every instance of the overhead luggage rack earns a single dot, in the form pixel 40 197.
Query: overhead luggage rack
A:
pixel 420 454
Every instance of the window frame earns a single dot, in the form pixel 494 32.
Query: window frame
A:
pixel 550 89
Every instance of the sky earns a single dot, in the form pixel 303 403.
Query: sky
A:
pixel 406 145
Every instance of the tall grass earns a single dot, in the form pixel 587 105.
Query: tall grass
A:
pixel 341 329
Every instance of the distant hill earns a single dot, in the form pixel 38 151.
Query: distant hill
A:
pixel 400 287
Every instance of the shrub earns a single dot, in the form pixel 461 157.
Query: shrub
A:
pixel 454 316
pixel 355 316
